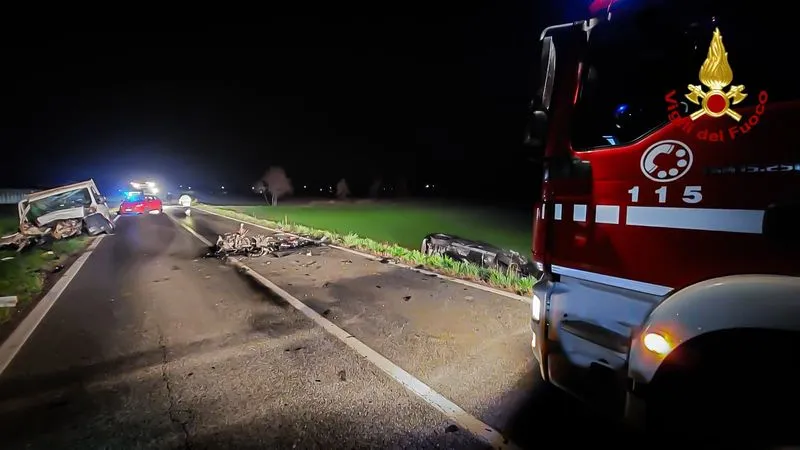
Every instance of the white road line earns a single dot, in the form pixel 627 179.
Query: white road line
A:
pixel 467 421
pixel 25 329
pixel 404 266
pixel 191 230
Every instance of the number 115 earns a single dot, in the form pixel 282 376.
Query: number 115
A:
pixel 691 194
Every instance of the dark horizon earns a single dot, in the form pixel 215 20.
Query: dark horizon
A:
pixel 432 98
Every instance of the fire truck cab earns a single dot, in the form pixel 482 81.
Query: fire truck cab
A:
pixel 668 228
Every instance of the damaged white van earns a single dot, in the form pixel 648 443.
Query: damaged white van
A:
pixel 65 211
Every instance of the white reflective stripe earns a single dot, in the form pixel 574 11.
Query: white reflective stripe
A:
pixel 624 283
pixel 607 214
pixel 730 220
pixel 558 211
pixel 579 213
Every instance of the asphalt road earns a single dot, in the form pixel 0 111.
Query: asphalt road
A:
pixel 154 346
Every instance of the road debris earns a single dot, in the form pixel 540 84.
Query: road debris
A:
pixel 7 258
pixel 255 245
pixel 8 301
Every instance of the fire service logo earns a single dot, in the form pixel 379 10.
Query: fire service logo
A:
pixel 716 75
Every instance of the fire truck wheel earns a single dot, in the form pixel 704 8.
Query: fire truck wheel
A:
pixel 743 380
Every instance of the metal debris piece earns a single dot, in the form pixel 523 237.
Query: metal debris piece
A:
pixel 67 228
pixel 476 252
pixel 255 245
pixel 8 302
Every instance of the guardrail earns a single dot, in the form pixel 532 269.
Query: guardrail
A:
pixel 13 196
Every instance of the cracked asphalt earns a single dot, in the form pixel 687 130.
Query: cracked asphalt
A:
pixel 154 346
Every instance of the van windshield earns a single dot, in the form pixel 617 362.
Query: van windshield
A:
pixel 64 200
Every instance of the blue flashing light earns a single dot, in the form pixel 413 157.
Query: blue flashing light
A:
pixel 611 140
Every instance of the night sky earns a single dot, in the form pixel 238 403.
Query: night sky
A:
pixel 432 96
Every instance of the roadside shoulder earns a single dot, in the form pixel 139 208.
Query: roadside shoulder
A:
pixel 37 276
pixel 472 276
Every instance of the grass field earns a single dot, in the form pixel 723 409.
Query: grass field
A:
pixel 25 273
pixel 406 224
pixel 8 224
pixel 396 230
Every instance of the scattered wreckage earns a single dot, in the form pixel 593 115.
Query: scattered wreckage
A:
pixel 60 213
pixel 255 245
pixel 476 252
pixel 241 243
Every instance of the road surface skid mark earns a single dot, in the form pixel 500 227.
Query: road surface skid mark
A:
pixel 454 412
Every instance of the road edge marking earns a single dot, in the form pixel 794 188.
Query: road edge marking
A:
pixel 17 339
pixel 481 430
pixel 376 258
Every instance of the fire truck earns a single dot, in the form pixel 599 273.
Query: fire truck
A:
pixel 668 226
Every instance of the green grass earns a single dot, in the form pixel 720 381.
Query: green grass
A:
pixel 24 275
pixel 405 254
pixel 405 224
pixel 8 225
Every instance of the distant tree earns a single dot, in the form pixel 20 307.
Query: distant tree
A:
pixel 260 188
pixel 375 188
pixel 342 190
pixel 277 183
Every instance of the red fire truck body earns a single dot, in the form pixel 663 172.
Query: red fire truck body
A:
pixel 669 208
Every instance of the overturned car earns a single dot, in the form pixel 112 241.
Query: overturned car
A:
pixel 476 252
pixel 60 213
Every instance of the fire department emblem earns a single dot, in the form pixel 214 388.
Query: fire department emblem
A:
pixel 716 74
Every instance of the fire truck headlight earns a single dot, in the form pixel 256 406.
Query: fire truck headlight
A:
pixel 657 344
pixel 536 308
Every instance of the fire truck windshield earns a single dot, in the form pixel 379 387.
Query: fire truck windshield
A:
pixel 634 60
